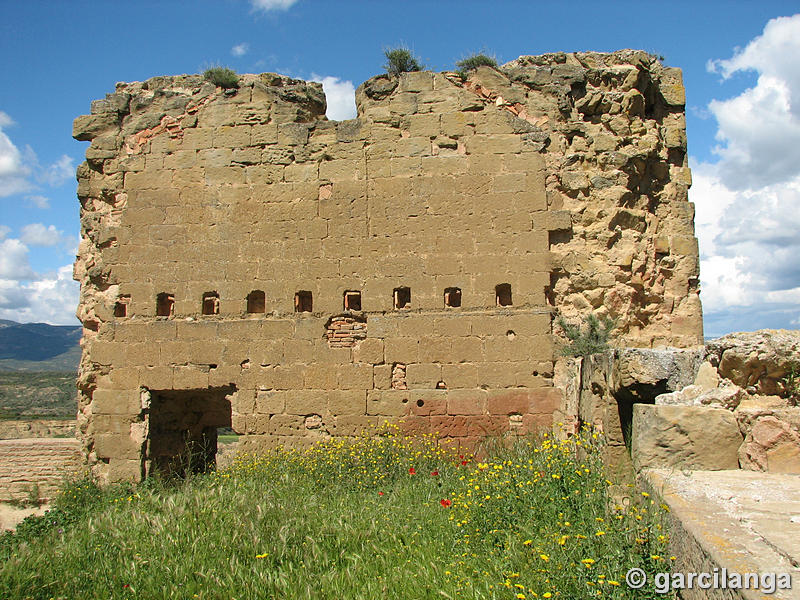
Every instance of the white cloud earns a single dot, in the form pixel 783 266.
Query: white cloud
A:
pixel 17 168
pixel 39 202
pixel 268 5
pixel 748 203
pixel 58 173
pixel 36 234
pixel 340 96
pixel 52 298
pixel 4 231
pixel 240 49
pixel 14 261
pixel 759 128
pixel 13 171
pixel 27 296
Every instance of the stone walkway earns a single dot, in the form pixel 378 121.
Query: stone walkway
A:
pixel 743 521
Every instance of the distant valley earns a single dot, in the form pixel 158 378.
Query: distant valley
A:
pixel 39 347
pixel 38 367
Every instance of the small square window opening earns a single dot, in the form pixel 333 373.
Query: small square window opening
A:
pixel 402 297
pixel 211 303
pixel 352 300
pixel 121 307
pixel 256 302
pixel 503 294
pixel 303 301
pixel 165 305
pixel 452 297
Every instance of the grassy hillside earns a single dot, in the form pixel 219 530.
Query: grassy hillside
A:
pixel 38 395
pixel 383 517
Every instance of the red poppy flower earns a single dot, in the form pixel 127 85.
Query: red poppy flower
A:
pixel 412 471
pixel 380 493
pixel 434 473
pixel 463 463
pixel 445 502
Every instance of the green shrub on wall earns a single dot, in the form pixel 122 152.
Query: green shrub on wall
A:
pixel 401 60
pixel 222 77
pixel 463 67
pixel 588 339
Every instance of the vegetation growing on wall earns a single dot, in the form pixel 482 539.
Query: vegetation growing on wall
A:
pixel 590 338
pixel 222 77
pixel 474 61
pixel 401 60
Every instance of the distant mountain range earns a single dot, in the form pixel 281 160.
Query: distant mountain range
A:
pixel 39 347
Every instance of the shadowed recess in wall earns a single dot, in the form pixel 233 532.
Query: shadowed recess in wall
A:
pixel 182 429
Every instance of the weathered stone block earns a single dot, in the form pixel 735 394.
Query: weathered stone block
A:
pixel 347 402
pixel 389 403
pixel 369 351
pixel 466 402
pixel 687 437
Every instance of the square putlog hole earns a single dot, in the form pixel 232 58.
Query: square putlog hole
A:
pixel 303 301
pixel 352 300
pixel 211 303
pixel 452 297
pixel 503 294
pixel 402 297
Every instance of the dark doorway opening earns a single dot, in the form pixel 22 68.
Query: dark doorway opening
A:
pixel 182 429
pixel 626 397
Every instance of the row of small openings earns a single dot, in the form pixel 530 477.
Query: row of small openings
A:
pixel 165 304
pixel 304 301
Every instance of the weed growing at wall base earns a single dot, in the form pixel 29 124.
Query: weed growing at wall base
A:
pixel 385 516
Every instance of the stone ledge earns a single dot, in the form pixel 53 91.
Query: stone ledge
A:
pixel 742 521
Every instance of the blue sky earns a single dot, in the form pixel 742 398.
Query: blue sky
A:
pixel 740 70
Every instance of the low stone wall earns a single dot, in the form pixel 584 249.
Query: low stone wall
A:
pixel 36 467
pixel 14 430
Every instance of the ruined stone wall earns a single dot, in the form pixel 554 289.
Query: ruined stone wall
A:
pixel 37 428
pixel 32 469
pixel 322 277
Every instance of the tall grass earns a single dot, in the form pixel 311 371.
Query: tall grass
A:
pixel 380 517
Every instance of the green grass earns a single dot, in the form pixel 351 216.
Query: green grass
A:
pixel 386 517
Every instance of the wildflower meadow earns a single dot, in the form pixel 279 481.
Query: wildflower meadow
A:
pixel 379 516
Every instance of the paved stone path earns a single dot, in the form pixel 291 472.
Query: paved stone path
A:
pixel 743 521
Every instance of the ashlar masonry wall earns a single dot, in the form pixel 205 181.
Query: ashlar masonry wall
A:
pixel 244 262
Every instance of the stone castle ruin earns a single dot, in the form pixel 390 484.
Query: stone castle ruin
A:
pixel 247 263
